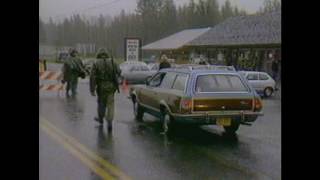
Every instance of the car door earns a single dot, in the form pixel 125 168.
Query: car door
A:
pixel 253 79
pixel 145 73
pixel 149 93
pixel 165 91
pixel 128 73
pixel 136 73
pixel 266 80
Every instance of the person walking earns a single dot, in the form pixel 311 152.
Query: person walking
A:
pixel 275 69
pixel 103 82
pixel 72 69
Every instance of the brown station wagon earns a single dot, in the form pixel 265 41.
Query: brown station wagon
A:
pixel 199 96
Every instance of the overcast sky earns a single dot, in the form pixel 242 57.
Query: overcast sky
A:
pixel 58 9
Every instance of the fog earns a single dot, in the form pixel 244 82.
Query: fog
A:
pixel 59 9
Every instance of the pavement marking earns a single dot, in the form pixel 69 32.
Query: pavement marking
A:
pixel 114 170
pixel 89 163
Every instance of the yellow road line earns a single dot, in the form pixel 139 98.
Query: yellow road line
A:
pixel 114 170
pixel 98 170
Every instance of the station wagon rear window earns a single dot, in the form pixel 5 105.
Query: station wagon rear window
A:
pixel 168 79
pixel 180 82
pixel 219 83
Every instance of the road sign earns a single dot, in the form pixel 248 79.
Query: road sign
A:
pixel 132 49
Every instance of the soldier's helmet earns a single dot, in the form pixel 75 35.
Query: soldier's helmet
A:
pixel 102 54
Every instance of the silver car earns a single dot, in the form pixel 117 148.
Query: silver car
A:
pixel 135 73
pixel 88 63
pixel 153 66
pixel 260 81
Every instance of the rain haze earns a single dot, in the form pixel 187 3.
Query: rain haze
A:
pixel 160 89
pixel 59 9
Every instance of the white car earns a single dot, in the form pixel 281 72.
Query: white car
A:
pixel 135 72
pixel 262 82
pixel 128 64
pixel 153 66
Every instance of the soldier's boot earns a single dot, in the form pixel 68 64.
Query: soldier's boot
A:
pixel 67 94
pixel 109 126
pixel 73 88
pixel 110 113
pixel 68 89
pixel 99 120
pixel 74 92
pixel 101 111
pixel 74 95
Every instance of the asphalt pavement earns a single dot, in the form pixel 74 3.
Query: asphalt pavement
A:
pixel 73 146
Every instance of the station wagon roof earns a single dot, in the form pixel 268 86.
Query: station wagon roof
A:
pixel 197 71
pixel 252 72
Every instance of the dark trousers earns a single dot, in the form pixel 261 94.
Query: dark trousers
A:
pixel 72 85
pixel 275 75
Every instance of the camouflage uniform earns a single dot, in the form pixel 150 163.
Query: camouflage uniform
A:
pixel 101 82
pixel 72 69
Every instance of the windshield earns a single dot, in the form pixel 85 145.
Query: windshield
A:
pixel 219 83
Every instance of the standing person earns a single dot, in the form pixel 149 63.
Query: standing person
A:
pixel 202 61
pixel 164 63
pixel 103 81
pixel 275 69
pixel 72 69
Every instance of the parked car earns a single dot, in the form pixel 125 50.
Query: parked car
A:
pixel 198 97
pixel 135 72
pixel 210 67
pixel 62 56
pixel 152 59
pixel 260 81
pixel 153 66
pixel 127 64
pixel 88 63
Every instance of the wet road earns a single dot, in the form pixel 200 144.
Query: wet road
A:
pixel 72 146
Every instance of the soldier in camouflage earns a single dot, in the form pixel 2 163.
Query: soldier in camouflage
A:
pixel 72 69
pixel 101 82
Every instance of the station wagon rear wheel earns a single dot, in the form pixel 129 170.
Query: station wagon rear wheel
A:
pixel 138 111
pixel 232 128
pixel 268 92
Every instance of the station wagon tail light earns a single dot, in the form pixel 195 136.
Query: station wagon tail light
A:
pixel 257 104
pixel 186 105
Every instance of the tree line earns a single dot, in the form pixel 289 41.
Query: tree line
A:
pixel 152 20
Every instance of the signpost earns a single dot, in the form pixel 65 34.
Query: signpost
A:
pixel 132 49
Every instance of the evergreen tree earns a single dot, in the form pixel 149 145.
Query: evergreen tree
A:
pixel 226 10
pixel 152 20
pixel 270 5
pixel 42 32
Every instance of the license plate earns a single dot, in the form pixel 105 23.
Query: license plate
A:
pixel 224 121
